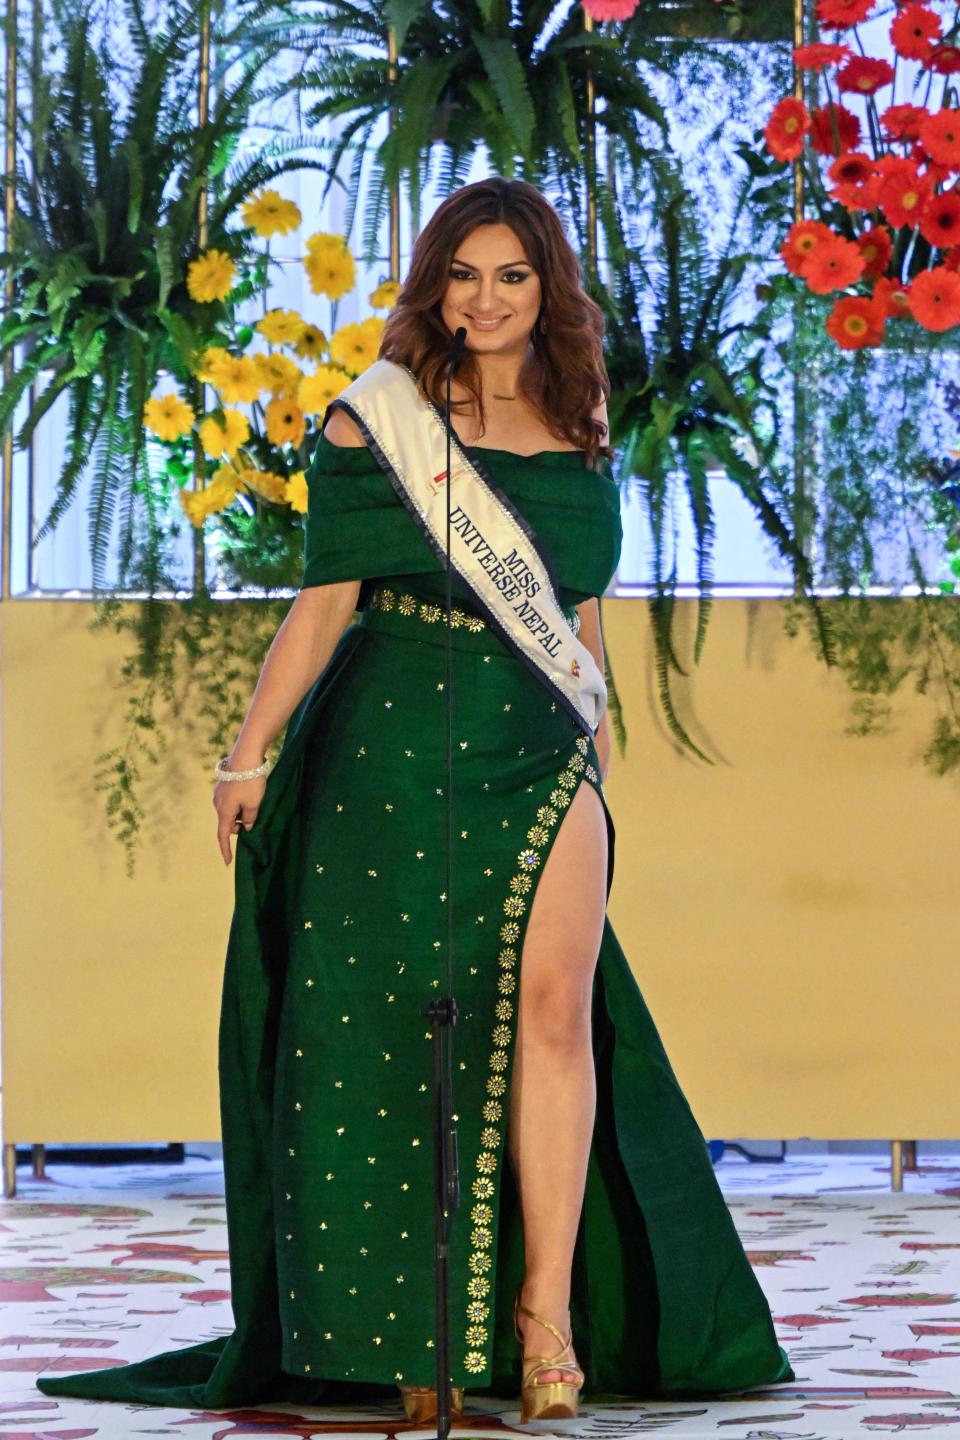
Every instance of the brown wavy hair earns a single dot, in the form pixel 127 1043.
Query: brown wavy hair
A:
pixel 565 379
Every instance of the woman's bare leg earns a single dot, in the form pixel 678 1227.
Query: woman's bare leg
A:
pixel 553 1085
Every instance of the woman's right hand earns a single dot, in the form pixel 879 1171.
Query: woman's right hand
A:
pixel 236 803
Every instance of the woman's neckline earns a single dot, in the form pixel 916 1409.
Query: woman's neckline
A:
pixel 520 454
pixel 489 449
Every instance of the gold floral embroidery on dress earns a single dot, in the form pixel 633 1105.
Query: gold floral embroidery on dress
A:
pixel 484 1186
pixel 383 598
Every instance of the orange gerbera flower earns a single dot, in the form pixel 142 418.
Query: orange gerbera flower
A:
pixel 818 55
pixel 935 298
pixel 914 30
pixel 892 297
pixel 843 14
pixel 937 174
pixel 940 137
pixel 904 193
pixel 863 75
pixel 940 221
pixel 876 247
pixel 822 124
pixel 786 128
pixel 802 238
pixel 833 265
pixel 902 122
pixel 944 59
pixel 855 322
pixel 856 183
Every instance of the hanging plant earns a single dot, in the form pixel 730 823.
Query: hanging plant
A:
pixel 472 78
pixel 691 394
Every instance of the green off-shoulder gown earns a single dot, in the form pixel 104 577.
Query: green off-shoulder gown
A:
pixel 337 943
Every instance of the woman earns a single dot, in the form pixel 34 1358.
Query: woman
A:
pixel 588 1193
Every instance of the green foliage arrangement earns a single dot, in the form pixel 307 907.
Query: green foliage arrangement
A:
pixel 106 226
pixel 473 76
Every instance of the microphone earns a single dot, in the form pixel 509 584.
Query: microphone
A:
pixel 456 347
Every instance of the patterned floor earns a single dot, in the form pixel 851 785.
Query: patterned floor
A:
pixel 114 1264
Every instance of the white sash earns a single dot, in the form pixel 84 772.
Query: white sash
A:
pixel 494 549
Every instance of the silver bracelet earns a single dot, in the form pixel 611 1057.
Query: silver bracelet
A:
pixel 222 773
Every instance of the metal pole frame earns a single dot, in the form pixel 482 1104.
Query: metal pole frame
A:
pixel 203 239
pixel 11 43
pixel 395 186
pixel 591 154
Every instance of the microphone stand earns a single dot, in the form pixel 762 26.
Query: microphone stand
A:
pixel 441 1011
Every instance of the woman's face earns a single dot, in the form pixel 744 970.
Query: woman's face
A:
pixel 493 290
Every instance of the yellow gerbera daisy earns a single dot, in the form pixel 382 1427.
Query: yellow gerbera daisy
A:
pixel 312 343
pixel 322 240
pixel 385 295
pixel 278 374
pixel 224 437
pixel 355 346
pixel 270 486
pixel 269 213
pixel 238 380
pixel 168 416
pixel 281 327
pixel 211 276
pixel 214 497
pixel 329 265
pixel 285 422
pixel 296 492
pixel 194 506
pixel 317 390
pixel 212 359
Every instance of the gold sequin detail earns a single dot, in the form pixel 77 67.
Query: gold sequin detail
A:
pixel 483 1187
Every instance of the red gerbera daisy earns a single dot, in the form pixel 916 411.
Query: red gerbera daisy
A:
pixel 856 183
pixel 944 59
pixel 940 222
pixel 818 56
pixel 937 174
pixel 914 30
pixel 822 124
pixel 904 193
pixel 901 122
pixel 940 136
pixel 843 14
pixel 610 9
pixel 935 298
pixel 833 265
pixel 785 129
pixel 864 76
pixel 892 298
pixel 876 247
pixel 855 322
pixel 951 260
pixel 802 238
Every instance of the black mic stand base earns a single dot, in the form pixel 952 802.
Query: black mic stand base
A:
pixel 441 1011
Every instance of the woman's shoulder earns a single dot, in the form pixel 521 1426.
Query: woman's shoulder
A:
pixel 342 429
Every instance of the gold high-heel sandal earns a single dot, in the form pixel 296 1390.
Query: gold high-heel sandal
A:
pixel 546 1399
pixel 420 1403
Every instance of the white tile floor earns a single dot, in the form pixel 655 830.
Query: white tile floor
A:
pixel 103 1263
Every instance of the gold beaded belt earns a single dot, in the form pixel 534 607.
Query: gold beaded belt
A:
pixel 383 598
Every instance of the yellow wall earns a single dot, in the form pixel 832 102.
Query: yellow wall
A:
pixel 790 914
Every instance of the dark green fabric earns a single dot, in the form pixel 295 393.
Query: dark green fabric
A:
pixel 341 912
pixel 355 516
